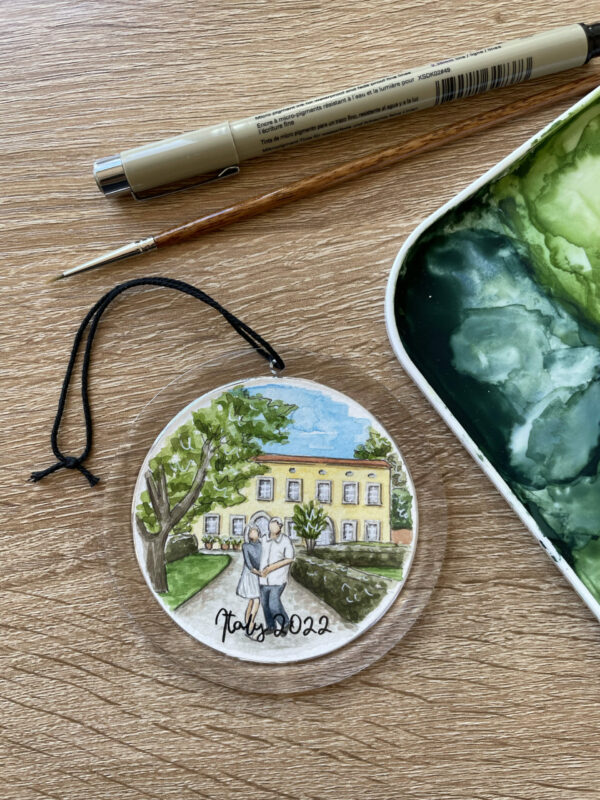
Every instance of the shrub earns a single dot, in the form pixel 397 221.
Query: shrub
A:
pixel 364 554
pixel 353 594
pixel 310 520
pixel 179 546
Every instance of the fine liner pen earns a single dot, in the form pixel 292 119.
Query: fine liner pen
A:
pixel 216 151
pixel 313 184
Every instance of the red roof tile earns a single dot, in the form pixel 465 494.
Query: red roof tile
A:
pixel 341 462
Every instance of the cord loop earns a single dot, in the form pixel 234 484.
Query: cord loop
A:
pixel 92 320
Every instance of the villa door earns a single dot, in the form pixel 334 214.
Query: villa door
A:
pixel 261 520
pixel 328 535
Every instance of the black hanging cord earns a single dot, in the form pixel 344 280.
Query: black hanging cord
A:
pixel 92 319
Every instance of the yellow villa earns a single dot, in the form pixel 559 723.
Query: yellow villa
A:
pixel 355 494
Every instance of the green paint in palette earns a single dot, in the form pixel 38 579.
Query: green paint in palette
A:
pixel 497 305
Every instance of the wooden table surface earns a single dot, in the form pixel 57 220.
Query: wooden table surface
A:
pixel 493 694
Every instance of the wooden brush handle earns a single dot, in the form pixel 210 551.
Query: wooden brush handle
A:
pixel 319 182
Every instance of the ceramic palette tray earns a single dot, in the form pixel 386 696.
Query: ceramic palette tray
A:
pixel 493 308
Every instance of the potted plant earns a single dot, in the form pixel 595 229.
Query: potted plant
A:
pixel 207 541
pixel 237 544
pixel 225 543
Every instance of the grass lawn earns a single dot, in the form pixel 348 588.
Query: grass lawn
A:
pixel 188 575
pixel 394 573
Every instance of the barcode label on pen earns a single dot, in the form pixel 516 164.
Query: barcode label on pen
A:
pixel 480 80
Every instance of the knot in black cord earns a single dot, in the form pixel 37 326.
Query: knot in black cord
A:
pixel 92 319
pixel 69 462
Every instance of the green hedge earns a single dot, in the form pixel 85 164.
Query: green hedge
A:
pixel 361 543
pixel 179 546
pixel 361 554
pixel 351 593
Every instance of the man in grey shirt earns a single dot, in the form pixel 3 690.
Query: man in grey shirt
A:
pixel 276 556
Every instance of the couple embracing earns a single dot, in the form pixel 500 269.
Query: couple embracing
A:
pixel 264 576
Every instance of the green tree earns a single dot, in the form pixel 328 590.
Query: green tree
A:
pixel 310 521
pixel 378 447
pixel 205 463
pixel 401 510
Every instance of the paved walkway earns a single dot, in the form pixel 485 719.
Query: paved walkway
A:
pixel 198 614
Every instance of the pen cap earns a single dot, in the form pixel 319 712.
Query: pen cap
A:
pixel 169 164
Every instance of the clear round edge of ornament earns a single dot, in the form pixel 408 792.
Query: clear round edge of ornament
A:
pixel 285 530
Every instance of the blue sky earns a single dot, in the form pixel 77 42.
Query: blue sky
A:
pixel 322 425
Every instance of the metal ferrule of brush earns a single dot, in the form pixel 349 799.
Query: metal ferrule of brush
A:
pixel 121 253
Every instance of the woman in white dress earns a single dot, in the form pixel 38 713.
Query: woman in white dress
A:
pixel 248 586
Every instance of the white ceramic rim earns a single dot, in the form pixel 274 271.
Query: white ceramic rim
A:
pixel 434 398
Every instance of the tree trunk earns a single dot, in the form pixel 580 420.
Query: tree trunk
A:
pixel 168 517
pixel 156 564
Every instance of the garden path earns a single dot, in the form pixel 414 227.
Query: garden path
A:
pixel 198 615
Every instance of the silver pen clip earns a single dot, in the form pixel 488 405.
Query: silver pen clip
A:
pixel 189 183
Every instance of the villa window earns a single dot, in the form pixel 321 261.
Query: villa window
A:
pixel 293 491
pixel 264 489
pixel 349 530
pixel 324 491
pixel 212 524
pixel 237 525
pixel 350 492
pixel 373 494
pixel 372 531
pixel 290 528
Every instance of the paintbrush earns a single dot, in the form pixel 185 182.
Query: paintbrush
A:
pixel 335 176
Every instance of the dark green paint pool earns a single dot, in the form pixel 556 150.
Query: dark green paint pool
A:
pixel 498 305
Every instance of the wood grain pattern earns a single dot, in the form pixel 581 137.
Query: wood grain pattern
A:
pixel 492 695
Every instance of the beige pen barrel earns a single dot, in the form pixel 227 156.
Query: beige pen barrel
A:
pixel 216 151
